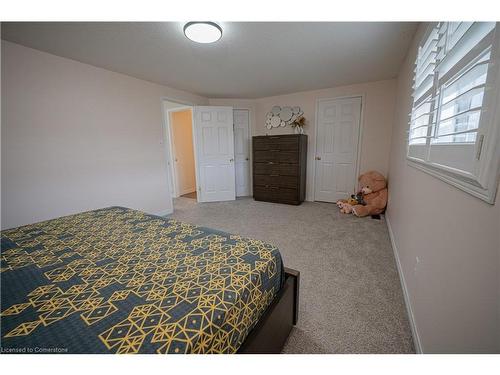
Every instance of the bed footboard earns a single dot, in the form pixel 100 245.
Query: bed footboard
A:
pixel 271 332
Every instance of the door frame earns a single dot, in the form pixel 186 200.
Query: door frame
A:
pixel 250 153
pixel 167 144
pixel 360 136
pixel 173 165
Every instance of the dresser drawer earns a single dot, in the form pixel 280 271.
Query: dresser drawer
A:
pixel 276 155
pixel 276 143
pixel 275 194
pixel 276 180
pixel 272 168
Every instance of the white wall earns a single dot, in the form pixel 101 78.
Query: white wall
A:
pixel 76 137
pixel 454 289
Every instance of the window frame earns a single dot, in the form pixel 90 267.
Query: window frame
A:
pixel 483 181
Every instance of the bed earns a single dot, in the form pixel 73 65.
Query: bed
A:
pixel 117 280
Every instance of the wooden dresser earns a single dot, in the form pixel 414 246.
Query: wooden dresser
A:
pixel 279 168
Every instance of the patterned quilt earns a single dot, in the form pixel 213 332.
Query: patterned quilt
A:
pixel 121 281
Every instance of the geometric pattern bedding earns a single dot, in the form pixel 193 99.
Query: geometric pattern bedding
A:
pixel 117 280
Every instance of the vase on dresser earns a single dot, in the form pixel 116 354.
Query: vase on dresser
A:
pixel 298 130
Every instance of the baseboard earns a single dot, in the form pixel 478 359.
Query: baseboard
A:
pixel 164 213
pixel 411 317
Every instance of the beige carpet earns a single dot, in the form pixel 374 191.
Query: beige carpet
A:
pixel 350 294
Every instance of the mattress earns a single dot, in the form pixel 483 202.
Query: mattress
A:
pixel 117 280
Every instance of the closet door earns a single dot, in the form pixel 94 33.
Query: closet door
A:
pixel 214 145
pixel 337 139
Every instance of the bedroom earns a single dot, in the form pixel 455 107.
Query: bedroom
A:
pixel 121 236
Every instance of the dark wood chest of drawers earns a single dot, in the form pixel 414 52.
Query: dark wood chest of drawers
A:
pixel 279 168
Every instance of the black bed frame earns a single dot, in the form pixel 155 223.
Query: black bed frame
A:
pixel 272 330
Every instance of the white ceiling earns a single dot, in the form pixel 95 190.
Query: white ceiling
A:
pixel 251 60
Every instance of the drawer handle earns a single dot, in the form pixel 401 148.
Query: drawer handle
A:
pixel 274 137
pixel 274 175
pixel 274 150
pixel 270 162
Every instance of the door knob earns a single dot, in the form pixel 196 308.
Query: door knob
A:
pixel 231 160
pixel 318 158
pixel 246 159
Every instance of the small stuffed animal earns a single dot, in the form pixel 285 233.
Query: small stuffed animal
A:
pixel 373 195
pixel 352 201
pixel 346 204
pixel 356 199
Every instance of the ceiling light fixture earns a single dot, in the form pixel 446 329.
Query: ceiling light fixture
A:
pixel 203 32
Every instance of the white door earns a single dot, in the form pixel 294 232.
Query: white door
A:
pixel 214 148
pixel 336 148
pixel 242 151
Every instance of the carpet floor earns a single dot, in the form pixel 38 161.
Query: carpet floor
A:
pixel 350 294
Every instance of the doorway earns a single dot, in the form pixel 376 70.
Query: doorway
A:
pixel 208 151
pixel 337 138
pixel 181 131
pixel 179 121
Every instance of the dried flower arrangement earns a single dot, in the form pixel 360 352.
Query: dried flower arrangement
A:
pixel 301 121
pixel 299 124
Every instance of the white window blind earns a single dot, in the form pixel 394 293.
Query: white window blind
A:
pixel 454 102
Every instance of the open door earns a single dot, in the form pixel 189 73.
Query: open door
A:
pixel 214 150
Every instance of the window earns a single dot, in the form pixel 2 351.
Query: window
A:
pixel 454 123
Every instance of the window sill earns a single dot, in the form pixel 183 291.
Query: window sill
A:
pixel 468 185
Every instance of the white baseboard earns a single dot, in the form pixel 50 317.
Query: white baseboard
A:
pixel 164 213
pixel 411 317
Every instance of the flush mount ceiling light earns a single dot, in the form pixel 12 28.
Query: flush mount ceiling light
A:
pixel 203 32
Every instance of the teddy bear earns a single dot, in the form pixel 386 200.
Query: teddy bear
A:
pixel 373 188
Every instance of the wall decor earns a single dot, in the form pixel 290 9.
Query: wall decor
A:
pixel 282 116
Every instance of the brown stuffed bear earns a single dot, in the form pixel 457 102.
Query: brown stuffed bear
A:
pixel 374 189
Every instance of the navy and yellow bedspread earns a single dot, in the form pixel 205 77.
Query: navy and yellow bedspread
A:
pixel 120 281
